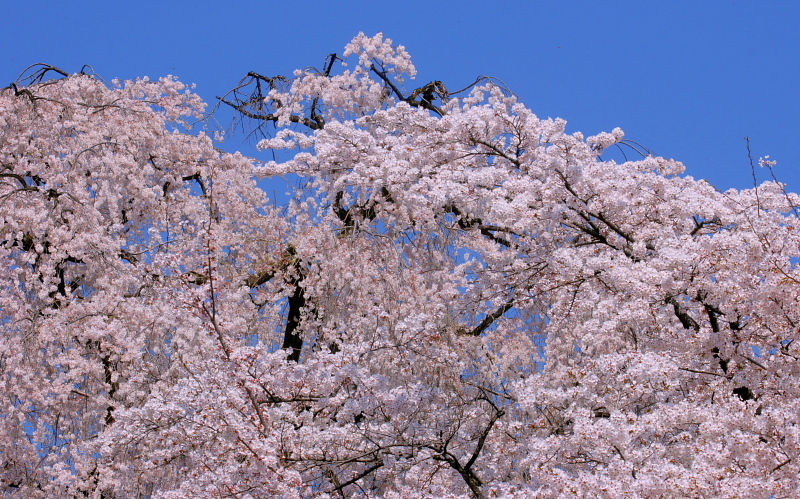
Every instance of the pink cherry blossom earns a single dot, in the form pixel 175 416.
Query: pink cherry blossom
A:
pixel 462 301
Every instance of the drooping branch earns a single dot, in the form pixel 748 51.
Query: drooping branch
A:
pixel 310 123
pixel 421 97
pixel 292 337
pixel 490 319
pixel 113 385
pixel 256 104
pixel 42 69
pixel 350 216
pixel 260 278
pixel 359 476
pixel 686 320
pixel 466 470
pixel 488 231
pixel 314 112
pixel 497 413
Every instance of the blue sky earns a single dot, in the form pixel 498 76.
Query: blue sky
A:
pixel 687 79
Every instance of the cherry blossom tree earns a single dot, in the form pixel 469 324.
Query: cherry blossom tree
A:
pixel 462 300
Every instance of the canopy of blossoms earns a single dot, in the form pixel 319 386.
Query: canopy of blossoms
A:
pixel 462 301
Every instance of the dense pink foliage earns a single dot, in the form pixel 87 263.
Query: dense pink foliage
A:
pixel 463 301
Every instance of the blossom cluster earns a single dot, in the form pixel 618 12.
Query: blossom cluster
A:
pixel 463 301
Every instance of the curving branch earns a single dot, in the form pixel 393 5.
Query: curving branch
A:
pixel 466 470
pixel 489 319
pixel 420 97
pixel 686 320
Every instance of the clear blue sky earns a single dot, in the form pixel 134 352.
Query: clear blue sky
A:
pixel 687 79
